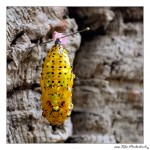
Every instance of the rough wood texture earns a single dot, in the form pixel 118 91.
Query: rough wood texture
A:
pixel 26 26
pixel 108 91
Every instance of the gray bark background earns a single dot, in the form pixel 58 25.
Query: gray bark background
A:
pixel 108 89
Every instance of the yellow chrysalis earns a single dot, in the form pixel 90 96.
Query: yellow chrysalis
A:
pixel 56 84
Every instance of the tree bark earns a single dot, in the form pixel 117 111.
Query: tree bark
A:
pixel 108 88
pixel 27 26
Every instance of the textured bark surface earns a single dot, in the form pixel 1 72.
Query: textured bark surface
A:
pixel 108 91
pixel 108 88
pixel 24 121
